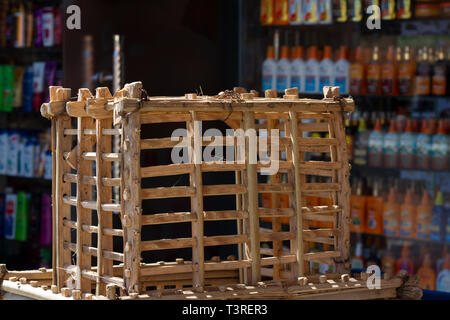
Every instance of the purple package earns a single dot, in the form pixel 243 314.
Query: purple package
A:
pixel 46 220
pixel 49 77
pixel 38 28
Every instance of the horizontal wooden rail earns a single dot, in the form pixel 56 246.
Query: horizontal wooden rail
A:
pixel 321 255
pixel 93 251
pixel 321 187
pixel 167 192
pixel 92 132
pixel 93 229
pixel 225 189
pixel 91 156
pixel 275 213
pixel 92 205
pixel 224 240
pixel 313 127
pixel 276 188
pixel 321 209
pixel 167 170
pixel 92 275
pixel 319 165
pixel 92 180
pixel 276 236
pixel 268 261
pixel 177 217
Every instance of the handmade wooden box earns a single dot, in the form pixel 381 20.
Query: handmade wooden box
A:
pixel 90 178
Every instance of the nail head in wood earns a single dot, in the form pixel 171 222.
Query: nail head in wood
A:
pixel 88 296
pixel 12 279
pixel 52 92
pixel 291 92
pixel 23 280
pixel 240 90
pixel 215 259
pixel 323 278
pixel 43 269
pixel 247 96
pixel 34 284
pixel 231 258
pixel 364 275
pixel 179 261
pixel 254 93
pixel 44 287
pixel 65 292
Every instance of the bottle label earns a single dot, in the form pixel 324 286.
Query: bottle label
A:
pixel 325 10
pixel 282 82
pixel 439 81
pixel 403 9
pixel 267 83
pixel 388 9
pixel 387 82
pixel 422 85
pixel 405 223
pixel 373 79
pixel 356 78
pixel 423 145
pixel 355 10
pixel 390 222
pixel 341 82
pixel 310 10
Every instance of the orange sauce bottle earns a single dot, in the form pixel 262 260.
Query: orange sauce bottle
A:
pixel 374 218
pixel 426 274
pixel 424 217
pixel 358 209
pixel 391 214
pixel 408 215
pixel 358 74
pixel 406 73
pixel 388 73
pixel 374 74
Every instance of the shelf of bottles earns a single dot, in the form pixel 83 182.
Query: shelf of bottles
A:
pixel 398 136
pixel 30 62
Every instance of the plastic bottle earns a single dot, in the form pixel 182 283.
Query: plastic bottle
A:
pixel 361 144
pixel 388 10
pixel 281 12
pixel 340 10
pixel 424 217
pixel 391 215
pixel 388 262
pixel 388 72
pixel 440 148
pixel 443 278
pixel 342 71
pixel 374 74
pixel 3 150
pixel 19 17
pixel 423 74
pixel 357 74
pixel 439 78
pixel 48 39
pixel 405 262
pixel 423 146
pixel 325 11
pixel 266 16
pixel 355 12
pixel 407 146
pixel 406 73
pixel 283 73
pixel 295 12
pixel 326 67
pixel 376 143
pixel 10 214
pixel 408 215
pixel 374 219
pixel 358 209
pixel 391 147
pixel 404 9
pixel 269 71
pixel 447 217
pixel 22 217
pixel 27 157
pixel 312 71
pixel 438 219
pixel 12 162
pixel 426 274
pixel 310 11
pixel 298 69
pixel 46 221
pixel 357 259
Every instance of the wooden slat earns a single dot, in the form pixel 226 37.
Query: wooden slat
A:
pixel 166 193
pixel 91 205
pixel 163 143
pixel 252 198
pixel 62 210
pixel 92 180
pixel 298 192
pixel 164 218
pixel 321 255
pixel 195 156
pixel 166 170
pixel 321 187
pixel 84 193
pixel 317 141
pixel 131 192
pixel 225 189
pixel 313 127
pixel 93 229
pixel 225 215
pixel 224 240
pixel 165 244
pixel 274 213
pixel 276 188
pixel 107 254
pixel 276 236
pixel 319 165
pixel 92 275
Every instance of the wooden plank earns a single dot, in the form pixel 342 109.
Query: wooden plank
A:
pixel 166 193
pixel 92 205
pixel 195 157
pixel 92 180
pixel 252 194
pixel 167 170
pixel 104 194
pixel 298 192
pixel 224 189
pixel 63 144
pixel 131 193
pixel 164 218
pixel 84 193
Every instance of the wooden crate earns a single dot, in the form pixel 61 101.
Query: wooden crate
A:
pixel 83 130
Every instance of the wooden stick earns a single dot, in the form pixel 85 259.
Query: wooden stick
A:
pixel 84 193
pixel 195 157
pixel 132 208
pixel 298 192
pixel 252 192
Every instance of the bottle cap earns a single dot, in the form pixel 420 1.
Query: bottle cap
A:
pixel 270 52
pixel 284 52
pixel 312 52
pixel 327 52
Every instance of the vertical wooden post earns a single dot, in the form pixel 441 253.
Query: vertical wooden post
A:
pixel 275 201
pixel 298 196
pixel 343 197
pixel 52 94
pixel 84 193
pixel 131 192
pixel 195 157
pixel 252 191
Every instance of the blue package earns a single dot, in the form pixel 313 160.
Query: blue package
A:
pixel 27 91
pixel 2 214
